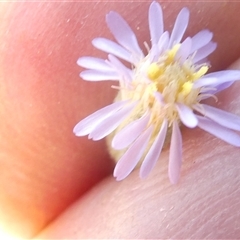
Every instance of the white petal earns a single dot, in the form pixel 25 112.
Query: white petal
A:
pixel 85 126
pixel 109 46
pixel 123 33
pixel 175 156
pixel 95 75
pixel 204 52
pixel 179 28
pixel 110 123
pixel 186 115
pixel 219 131
pixel 155 20
pixel 154 152
pixel 129 134
pixel 219 116
pixel 132 156
pixel 201 39
pixel 94 63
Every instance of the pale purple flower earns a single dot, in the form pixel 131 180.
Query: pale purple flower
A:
pixel 159 92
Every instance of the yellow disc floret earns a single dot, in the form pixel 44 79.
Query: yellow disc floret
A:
pixel 186 88
pixel 169 78
pixel 154 71
pixel 172 53
pixel 202 71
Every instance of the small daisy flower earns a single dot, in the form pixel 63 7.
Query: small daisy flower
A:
pixel 159 93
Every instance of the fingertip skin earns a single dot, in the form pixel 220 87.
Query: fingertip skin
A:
pixel 43 166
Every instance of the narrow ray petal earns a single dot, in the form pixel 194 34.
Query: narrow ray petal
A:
pixel 219 116
pixel 205 81
pixel 175 155
pixel 184 50
pixel 222 86
pixel 132 156
pixel 179 28
pixel 109 46
pixel 225 75
pixel 123 33
pixel 201 39
pixel 94 63
pixel 154 53
pixel 219 131
pixel 159 97
pixel 204 52
pixel 85 126
pixel 154 152
pixel 163 42
pixel 111 123
pixel 96 75
pixel 155 20
pixel 203 61
pixel 129 134
pixel 214 89
pixel 186 115
pixel 217 78
pixel 121 68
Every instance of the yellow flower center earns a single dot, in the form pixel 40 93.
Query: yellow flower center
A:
pixel 169 77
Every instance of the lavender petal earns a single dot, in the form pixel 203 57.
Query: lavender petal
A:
pixel 85 126
pixel 123 33
pixel 225 76
pixel 110 123
pixel 96 75
pixel 184 50
pixel 129 134
pixel 219 131
pixel 217 78
pixel 201 39
pixel 155 20
pixel 122 70
pixel 154 53
pixel 186 115
pixel 153 155
pixel 109 46
pixel 222 86
pixel 218 88
pixel 94 63
pixel 219 116
pixel 163 42
pixel 175 156
pixel 159 97
pixel 132 156
pixel 179 28
pixel 204 52
pixel 205 81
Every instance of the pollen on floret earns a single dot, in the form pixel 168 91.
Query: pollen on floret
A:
pixel 172 53
pixel 161 91
pixel 186 88
pixel 201 72
pixel 154 71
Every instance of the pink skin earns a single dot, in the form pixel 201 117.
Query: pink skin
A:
pixel 45 168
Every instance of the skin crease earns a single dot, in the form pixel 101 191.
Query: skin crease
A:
pixel 44 168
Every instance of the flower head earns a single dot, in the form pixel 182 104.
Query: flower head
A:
pixel 159 93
